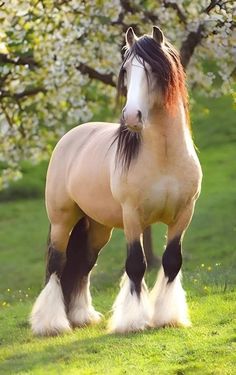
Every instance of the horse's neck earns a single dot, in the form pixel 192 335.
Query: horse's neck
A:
pixel 168 133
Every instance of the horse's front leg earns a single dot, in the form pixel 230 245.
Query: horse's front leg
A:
pixel 169 306
pixel 131 308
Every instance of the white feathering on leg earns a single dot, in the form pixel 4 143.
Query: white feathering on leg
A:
pixel 81 311
pixel 130 312
pixel 168 300
pixel 48 315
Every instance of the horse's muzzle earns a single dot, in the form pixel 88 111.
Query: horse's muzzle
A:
pixel 133 121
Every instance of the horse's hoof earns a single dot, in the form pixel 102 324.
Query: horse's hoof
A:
pixel 130 311
pixel 131 327
pixel 48 317
pixel 169 305
pixel 50 329
pixel 84 317
pixel 156 323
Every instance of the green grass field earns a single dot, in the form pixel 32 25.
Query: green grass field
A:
pixel 208 347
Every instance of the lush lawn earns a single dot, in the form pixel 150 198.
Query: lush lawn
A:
pixel 208 347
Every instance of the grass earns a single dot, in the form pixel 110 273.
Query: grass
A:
pixel 208 347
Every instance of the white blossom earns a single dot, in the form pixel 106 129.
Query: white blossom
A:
pixel 57 37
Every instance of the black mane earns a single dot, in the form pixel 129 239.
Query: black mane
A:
pixel 163 59
pixel 128 145
pixel 166 66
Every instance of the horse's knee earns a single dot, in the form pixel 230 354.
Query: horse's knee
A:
pixel 135 265
pixel 172 259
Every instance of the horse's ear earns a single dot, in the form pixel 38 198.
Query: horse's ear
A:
pixel 130 37
pixel 157 35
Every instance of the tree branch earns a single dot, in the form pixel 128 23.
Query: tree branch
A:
pixel 27 92
pixel 147 14
pixel 181 15
pixel 107 79
pixel 19 60
pixel 7 116
pixel 214 3
pixel 194 38
pixel 3 79
pixel 189 44
pixel 129 7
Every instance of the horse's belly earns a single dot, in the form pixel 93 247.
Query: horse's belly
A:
pixel 105 210
pixel 91 192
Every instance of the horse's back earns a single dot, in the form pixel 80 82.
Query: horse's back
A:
pixel 79 171
pixel 82 136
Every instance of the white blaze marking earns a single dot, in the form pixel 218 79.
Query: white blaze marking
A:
pixel 137 95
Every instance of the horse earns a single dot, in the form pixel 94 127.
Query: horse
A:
pixel 128 175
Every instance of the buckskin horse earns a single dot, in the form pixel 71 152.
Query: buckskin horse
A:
pixel 129 175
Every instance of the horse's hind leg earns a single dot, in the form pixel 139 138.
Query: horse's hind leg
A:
pixel 169 306
pixel 131 308
pixel 86 240
pixel 48 316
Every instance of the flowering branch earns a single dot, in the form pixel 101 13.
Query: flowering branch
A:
pixel 189 44
pixel 19 60
pixel 178 9
pixel 107 79
pixel 214 3
pixel 27 92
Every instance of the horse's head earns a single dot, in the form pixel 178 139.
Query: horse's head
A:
pixel 153 76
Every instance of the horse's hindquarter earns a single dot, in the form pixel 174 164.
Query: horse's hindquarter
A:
pixel 88 180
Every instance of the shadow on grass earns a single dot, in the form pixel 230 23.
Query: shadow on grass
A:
pixel 95 351
pixel 91 350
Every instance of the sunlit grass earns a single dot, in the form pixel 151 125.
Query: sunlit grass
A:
pixel 208 347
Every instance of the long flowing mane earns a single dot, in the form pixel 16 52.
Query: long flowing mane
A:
pixel 165 64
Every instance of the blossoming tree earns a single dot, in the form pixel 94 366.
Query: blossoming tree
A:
pixel 59 62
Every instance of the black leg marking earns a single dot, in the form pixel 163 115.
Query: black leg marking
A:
pixel 55 262
pixel 80 260
pixel 135 266
pixel 172 259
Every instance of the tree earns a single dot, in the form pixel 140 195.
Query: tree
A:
pixel 59 61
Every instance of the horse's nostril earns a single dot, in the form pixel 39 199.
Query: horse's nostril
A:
pixel 139 116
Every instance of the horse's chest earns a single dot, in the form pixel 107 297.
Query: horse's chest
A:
pixel 158 196
pixel 162 200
